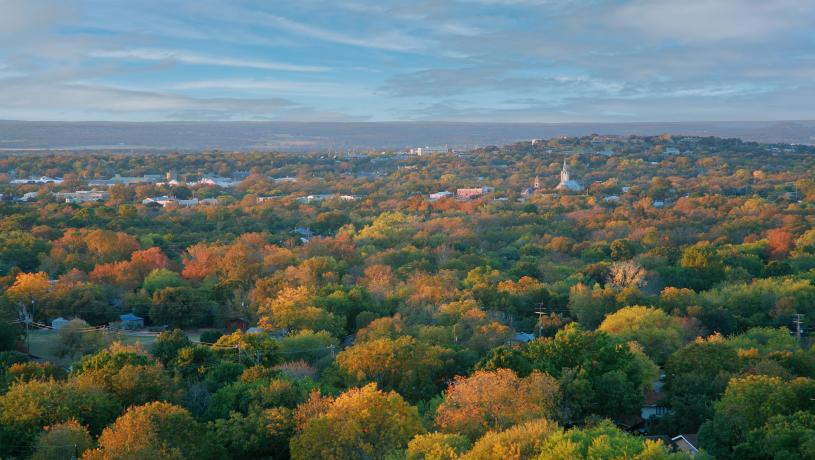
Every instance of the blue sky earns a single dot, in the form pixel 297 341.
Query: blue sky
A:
pixel 359 60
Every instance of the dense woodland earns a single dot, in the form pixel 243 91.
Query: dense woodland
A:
pixel 393 331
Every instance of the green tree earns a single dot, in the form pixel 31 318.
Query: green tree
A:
pixel 167 345
pixel 605 441
pixel 179 307
pixel 63 440
pixel 695 376
pixel 598 374
pixel 161 278
pixel 659 334
pixel 258 434
pixel 30 406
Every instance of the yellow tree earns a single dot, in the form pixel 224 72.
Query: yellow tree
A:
pixel 157 430
pixel 28 288
pixel 362 423
pixel 495 400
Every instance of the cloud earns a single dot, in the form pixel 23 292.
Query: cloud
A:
pixel 146 54
pixel 83 101
pixel 27 16
pixel 285 86
pixel 391 40
pixel 713 20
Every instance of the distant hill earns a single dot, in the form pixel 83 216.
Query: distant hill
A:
pixel 300 136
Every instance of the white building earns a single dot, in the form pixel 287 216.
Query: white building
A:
pixel 123 180
pixel 566 182
pixel 440 195
pixel 165 201
pixel 223 182
pixel 83 196
pixel 428 150
pixel 38 180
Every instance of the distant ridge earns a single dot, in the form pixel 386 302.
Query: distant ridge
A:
pixel 305 136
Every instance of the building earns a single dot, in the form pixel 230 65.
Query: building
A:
pixel 82 196
pixel 428 150
pixel 131 321
pixel 122 180
pixel 38 180
pixel 278 180
pixel 566 182
pixel 440 195
pixel 315 198
pixel 30 196
pixel 165 201
pixel 234 324
pixel 217 181
pixel 470 193
pixel 58 323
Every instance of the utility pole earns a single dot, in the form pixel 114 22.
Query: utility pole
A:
pixel 540 311
pixel 798 320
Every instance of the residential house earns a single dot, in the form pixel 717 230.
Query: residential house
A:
pixel 131 321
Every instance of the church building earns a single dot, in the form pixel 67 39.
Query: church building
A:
pixel 566 183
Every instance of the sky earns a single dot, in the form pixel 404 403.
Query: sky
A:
pixel 422 60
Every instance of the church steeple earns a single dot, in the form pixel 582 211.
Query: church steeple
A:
pixel 566 182
pixel 537 184
pixel 564 173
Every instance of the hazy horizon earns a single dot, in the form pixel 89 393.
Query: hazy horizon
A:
pixel 322 136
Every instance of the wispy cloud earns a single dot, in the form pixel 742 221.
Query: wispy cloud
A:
pixel 147 54
pixel 270 85
pixel 392 40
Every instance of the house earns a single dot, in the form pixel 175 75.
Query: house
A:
pixel 428 150
pixel 652 406
pixel 165 201
pixel 30 196
pixel 131 321
pixel 686 443
pixel 82 196
pixel 234 324
pixel 522 337
pixel 223 182
pixel 121 180
pixel 305 233
pixel 278 180
pixel 315 198
pixel 440 195
pixel 672 151
pixel 58 323
pixel 470 193
pixel 612 199
pixel 38 180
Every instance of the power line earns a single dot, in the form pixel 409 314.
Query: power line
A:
pixel 798 321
